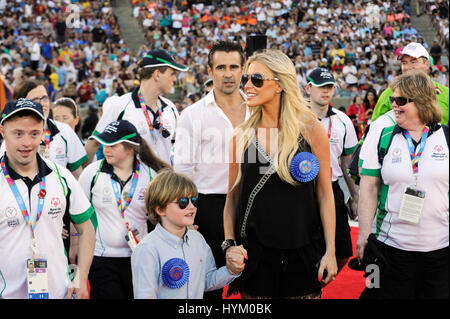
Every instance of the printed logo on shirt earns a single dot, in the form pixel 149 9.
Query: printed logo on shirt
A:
pixel 438 153
pixel 141 193
pixel 55 207
pixel 59 153
pixel 12 217
pixel 107 195
pixel 397 156
pixel 334 138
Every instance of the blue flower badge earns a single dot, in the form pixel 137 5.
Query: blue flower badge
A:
pixel 304 167
pixel 175 273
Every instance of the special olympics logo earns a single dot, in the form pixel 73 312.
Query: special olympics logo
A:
pixel 438 148
pixel 305 166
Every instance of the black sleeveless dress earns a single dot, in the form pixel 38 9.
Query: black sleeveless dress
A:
pixel 279 227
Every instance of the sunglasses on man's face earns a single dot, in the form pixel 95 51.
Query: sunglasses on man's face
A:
pixel 257 79
pixel 183 202
pixel 399 100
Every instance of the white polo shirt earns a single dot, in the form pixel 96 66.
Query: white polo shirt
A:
pixel 63 193
pixel 201 146
pixel 127 107
pixel 342 137
pixel 66 149
pixel 96 183
pixel 432 231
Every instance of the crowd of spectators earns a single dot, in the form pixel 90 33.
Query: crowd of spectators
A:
pixel 76 48
pixel 437 10
pixel 359 40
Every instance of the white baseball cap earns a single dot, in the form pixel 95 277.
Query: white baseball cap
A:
pixel 415 50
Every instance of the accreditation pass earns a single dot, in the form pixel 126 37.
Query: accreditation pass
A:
pixel 412 205
pixel 37 279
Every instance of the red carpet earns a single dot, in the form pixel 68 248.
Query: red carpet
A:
pixel 348 284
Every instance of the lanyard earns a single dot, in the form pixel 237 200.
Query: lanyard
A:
pixel 21 203
pixel 415 157
pixel 329 127
pixel 116 189
pixel 147 117
pixel 47 138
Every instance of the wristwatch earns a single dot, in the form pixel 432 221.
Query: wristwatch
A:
pixel 227 243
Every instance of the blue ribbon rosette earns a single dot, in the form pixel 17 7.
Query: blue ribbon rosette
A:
pixel 304 167
pixel 175 273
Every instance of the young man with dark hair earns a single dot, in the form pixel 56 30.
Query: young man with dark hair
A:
pixel 201 147
pixel 154 116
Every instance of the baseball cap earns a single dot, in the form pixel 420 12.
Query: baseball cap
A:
pixel 320 77
pixel 118 132
pixel 20 105
pixel 158 58
pixel 415 50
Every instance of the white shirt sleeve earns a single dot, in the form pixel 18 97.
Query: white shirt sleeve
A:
pixel 80 208
pixel 76 153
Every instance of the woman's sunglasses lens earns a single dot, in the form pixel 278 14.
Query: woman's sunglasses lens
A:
pixel 399 100
pixel 257 79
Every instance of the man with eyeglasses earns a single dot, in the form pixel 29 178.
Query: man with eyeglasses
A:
pixel 154 116
pixel 414 57
pixel 201 147
pixel 343 141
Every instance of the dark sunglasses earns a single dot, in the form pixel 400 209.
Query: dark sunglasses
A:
pixel 183 202
pixel 399 100
pixel 256 78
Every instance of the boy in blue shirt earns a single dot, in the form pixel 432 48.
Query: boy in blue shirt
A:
pixel 174 261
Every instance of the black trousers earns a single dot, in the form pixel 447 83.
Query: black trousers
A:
pixel 343 240
pixel 209 219
pixel 111 278
pixel 411 275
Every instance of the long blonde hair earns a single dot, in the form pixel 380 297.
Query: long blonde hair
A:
pixel 294 118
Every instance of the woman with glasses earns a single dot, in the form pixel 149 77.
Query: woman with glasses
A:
pixel 280 201
pixel 403 206
pixel 116 187
pixel 174 261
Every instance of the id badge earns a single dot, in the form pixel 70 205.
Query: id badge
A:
pixel 412 205
pixel 131 239
pixel 37 279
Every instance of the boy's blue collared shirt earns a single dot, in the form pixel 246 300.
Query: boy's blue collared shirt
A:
pixel 157 248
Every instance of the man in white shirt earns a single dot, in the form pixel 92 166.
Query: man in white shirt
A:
pixel 343 141
pixel 203 134
pixel 154 116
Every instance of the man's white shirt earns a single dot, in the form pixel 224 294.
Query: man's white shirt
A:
pixel 201 146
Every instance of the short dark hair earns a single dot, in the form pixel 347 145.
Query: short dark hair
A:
pixel 225 46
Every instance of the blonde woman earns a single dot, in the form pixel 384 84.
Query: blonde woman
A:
pixel 286 226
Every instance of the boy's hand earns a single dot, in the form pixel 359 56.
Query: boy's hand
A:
pixel 235 256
